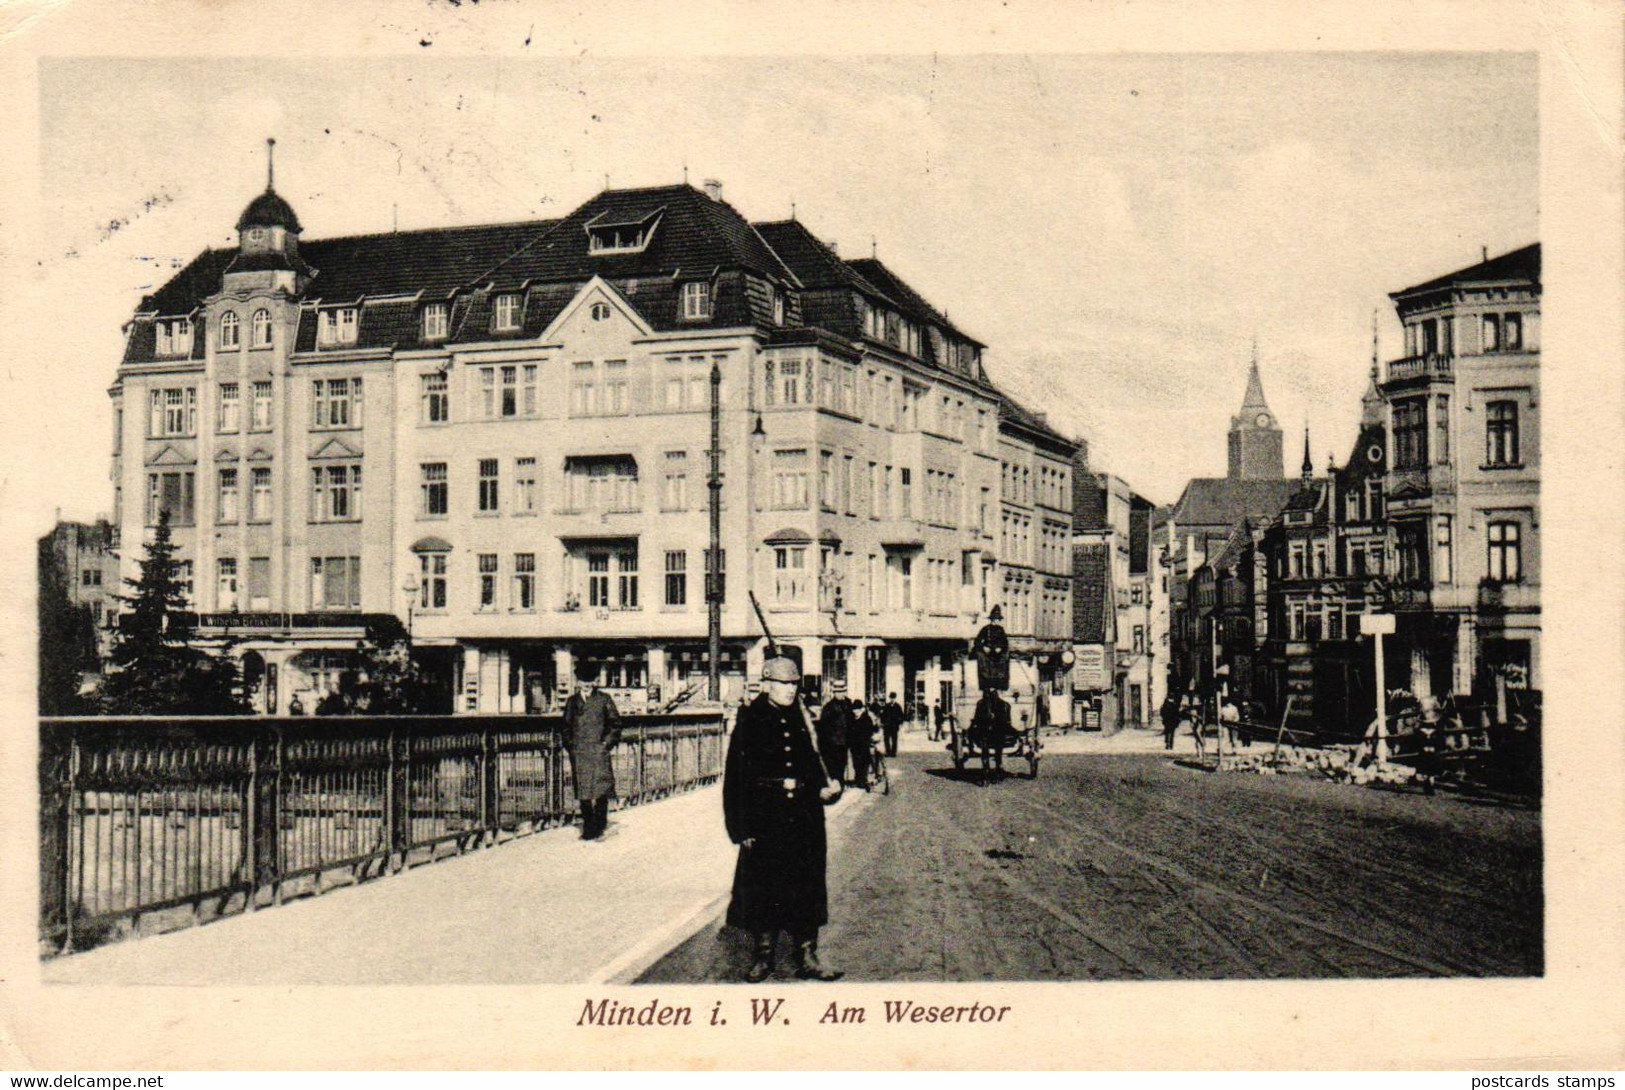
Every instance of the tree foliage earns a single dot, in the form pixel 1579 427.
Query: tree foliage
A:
pixel 67 641
pixel 155 670
pixel 386 680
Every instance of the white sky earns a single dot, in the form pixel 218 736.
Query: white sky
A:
pixel 1115 228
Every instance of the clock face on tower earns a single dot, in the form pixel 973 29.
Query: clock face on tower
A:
pixel 1262 420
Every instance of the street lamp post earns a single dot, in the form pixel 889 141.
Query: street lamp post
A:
pixel 410 586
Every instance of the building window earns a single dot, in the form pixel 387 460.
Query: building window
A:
pixel 227 414
pixel 902 572
pixel 696 301
pixel 172 494
pixel 790 480
pixel 626 579
pixel 1410 433
pixel 337 326
pixel 432 580
pixel 1442 560
pixel 226 506
pixel 259 582
pixel 790 580
pixel 335 582
pixel 1411 552
pixel 905 493
pixel 778 308
pixel 600 312
pixel 436 321
pixel 174 337
pixel 1441 429
pixel 436 496
pixel 173 412
pixel 598 580
pixel 335 403
pixel 488 580
pixel 583 390
pixel 615 388
pixel 183 581
pixel 677 578
pixel 259 496
pixel 524 486
pixel 225 584
pixel 790 381
pixel 1501 433
pixel 601 484
pixel 524 581
pixel 674 486
pixel 230 330
pixel 1512 332
pixel 436 398
pixel 262 329
pixel 718 577
pixel 260 419
pixel 1506 556
pixel 1492 333
pixel 828 497
pixel 489 502
pixel 335 494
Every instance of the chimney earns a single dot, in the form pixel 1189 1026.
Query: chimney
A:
pixel 1485 252
pixel 713 189
pixel 834 247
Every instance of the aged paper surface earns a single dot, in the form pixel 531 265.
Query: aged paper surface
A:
pixel 1569 1017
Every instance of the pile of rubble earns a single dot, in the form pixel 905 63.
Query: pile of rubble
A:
pixel 1343 764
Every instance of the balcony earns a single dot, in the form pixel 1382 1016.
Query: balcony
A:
pixel 1428 365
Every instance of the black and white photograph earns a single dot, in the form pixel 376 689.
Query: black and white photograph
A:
pixel 789 524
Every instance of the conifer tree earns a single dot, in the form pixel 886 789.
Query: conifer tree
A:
pixel 155 670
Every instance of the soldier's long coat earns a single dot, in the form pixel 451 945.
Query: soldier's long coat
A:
pixel 592 727
pixel 779 882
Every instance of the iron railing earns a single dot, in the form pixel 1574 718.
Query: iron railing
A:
pixel 154 822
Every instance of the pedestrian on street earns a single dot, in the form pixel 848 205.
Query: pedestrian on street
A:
pixel 592 727
pixel 1170 720
pixel 938 719
pixel 833 724
pixel 891 721
pixel 774 790
pixel 860 742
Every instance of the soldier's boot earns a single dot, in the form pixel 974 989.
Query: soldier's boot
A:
pixel 808 967
pixel 761 965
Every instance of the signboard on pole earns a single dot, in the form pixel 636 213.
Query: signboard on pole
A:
pixel 1376 624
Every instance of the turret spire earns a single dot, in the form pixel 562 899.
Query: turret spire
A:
pixel 1371 400
pixel 1254 401
pixel 1308 465
pixel 270 163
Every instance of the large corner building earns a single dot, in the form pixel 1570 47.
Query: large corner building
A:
pixel 500 436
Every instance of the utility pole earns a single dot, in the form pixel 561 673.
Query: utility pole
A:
pixel 713 581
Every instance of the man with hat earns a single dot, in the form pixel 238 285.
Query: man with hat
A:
pixel 991 649
pixel 834 726
pixel 774 789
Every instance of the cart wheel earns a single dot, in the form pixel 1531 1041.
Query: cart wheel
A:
pixel 1032 766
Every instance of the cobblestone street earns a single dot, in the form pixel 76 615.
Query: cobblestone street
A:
pixel 1141 866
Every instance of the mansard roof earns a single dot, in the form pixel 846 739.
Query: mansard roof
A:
pixel 1014 412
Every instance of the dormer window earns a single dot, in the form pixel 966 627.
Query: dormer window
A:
pixel 436 321
pixel 624 236
pixel 507 313
pixel 337 326
pixel 174 337
pixel 778 308
pixel 696 301
pixel 600 312
pixel 256 235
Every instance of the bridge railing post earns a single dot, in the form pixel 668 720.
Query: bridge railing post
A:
pixel 399 787
pixel 262 830
pixel 490 785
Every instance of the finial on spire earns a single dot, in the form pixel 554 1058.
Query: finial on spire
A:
pixel 792 208
pixel 685 175
pixel 1308 465
pixel 1373 344
pixel 874 248
pixel 270 163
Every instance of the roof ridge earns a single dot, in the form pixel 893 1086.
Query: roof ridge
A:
pixel 428 231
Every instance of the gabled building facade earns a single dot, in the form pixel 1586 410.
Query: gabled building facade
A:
pixel 499 436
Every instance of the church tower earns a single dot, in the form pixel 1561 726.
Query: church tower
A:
pixel 1256 449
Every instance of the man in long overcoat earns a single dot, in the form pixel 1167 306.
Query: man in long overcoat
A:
pixel 891 721
pixel 592 727
pixel 833 724
pixel 860 742
pixel 991 649
pixel 774 789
